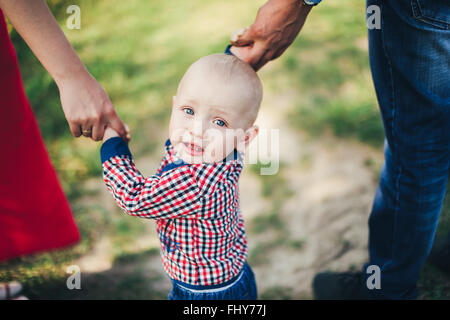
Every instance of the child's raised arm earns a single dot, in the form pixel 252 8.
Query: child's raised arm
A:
pixel 173 194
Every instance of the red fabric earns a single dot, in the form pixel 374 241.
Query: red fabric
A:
pixel 34 212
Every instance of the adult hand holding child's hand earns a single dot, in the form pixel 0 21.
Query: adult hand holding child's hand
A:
pixel 111 133
pixel 87 107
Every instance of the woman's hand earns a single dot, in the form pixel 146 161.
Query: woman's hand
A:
pixel 276 26
pixel 87 107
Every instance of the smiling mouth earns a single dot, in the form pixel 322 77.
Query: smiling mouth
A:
pixel 193 149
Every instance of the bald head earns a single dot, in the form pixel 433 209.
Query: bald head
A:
pixel 224 80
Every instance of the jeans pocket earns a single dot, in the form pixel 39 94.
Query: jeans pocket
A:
pixel 435 13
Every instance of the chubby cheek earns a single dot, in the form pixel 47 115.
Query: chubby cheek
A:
pixel 176 129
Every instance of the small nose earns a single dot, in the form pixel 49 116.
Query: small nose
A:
pixel 198 129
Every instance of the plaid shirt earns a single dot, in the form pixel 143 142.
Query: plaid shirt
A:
pixel 196 208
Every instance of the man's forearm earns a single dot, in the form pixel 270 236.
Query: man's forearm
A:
pixel 35 23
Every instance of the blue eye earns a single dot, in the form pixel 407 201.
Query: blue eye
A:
pixel 220 123
pixel 189 111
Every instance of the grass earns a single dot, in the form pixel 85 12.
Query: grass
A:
pixel 260 253
pixel 274 188
pixel 433 283
pixel 346 119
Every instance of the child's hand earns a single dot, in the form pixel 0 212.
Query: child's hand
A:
pixel 242 52
pixel 111 133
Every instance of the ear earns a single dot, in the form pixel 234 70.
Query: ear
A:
pixel 250 134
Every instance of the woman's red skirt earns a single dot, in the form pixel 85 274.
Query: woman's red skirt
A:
pixel 34 213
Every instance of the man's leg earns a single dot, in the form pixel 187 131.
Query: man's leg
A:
pixel 410 59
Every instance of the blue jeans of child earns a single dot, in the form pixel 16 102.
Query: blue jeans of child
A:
pixel 243 288
pixel 410 63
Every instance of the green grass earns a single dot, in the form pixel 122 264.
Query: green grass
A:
pixel 433 283
pixel 275 188
pixel 346 119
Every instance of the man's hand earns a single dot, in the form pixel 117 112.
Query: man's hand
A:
pixel 276 26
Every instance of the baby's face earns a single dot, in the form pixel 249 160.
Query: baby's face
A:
pixel 210 119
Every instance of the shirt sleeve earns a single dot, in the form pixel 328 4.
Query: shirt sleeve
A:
pixel 173 194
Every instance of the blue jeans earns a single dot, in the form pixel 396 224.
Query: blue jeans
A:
pixel 241 288
pixel 410 63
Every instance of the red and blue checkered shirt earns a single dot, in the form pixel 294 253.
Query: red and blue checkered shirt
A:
pixel 195 206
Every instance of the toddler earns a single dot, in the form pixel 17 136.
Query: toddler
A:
pixel 193 196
